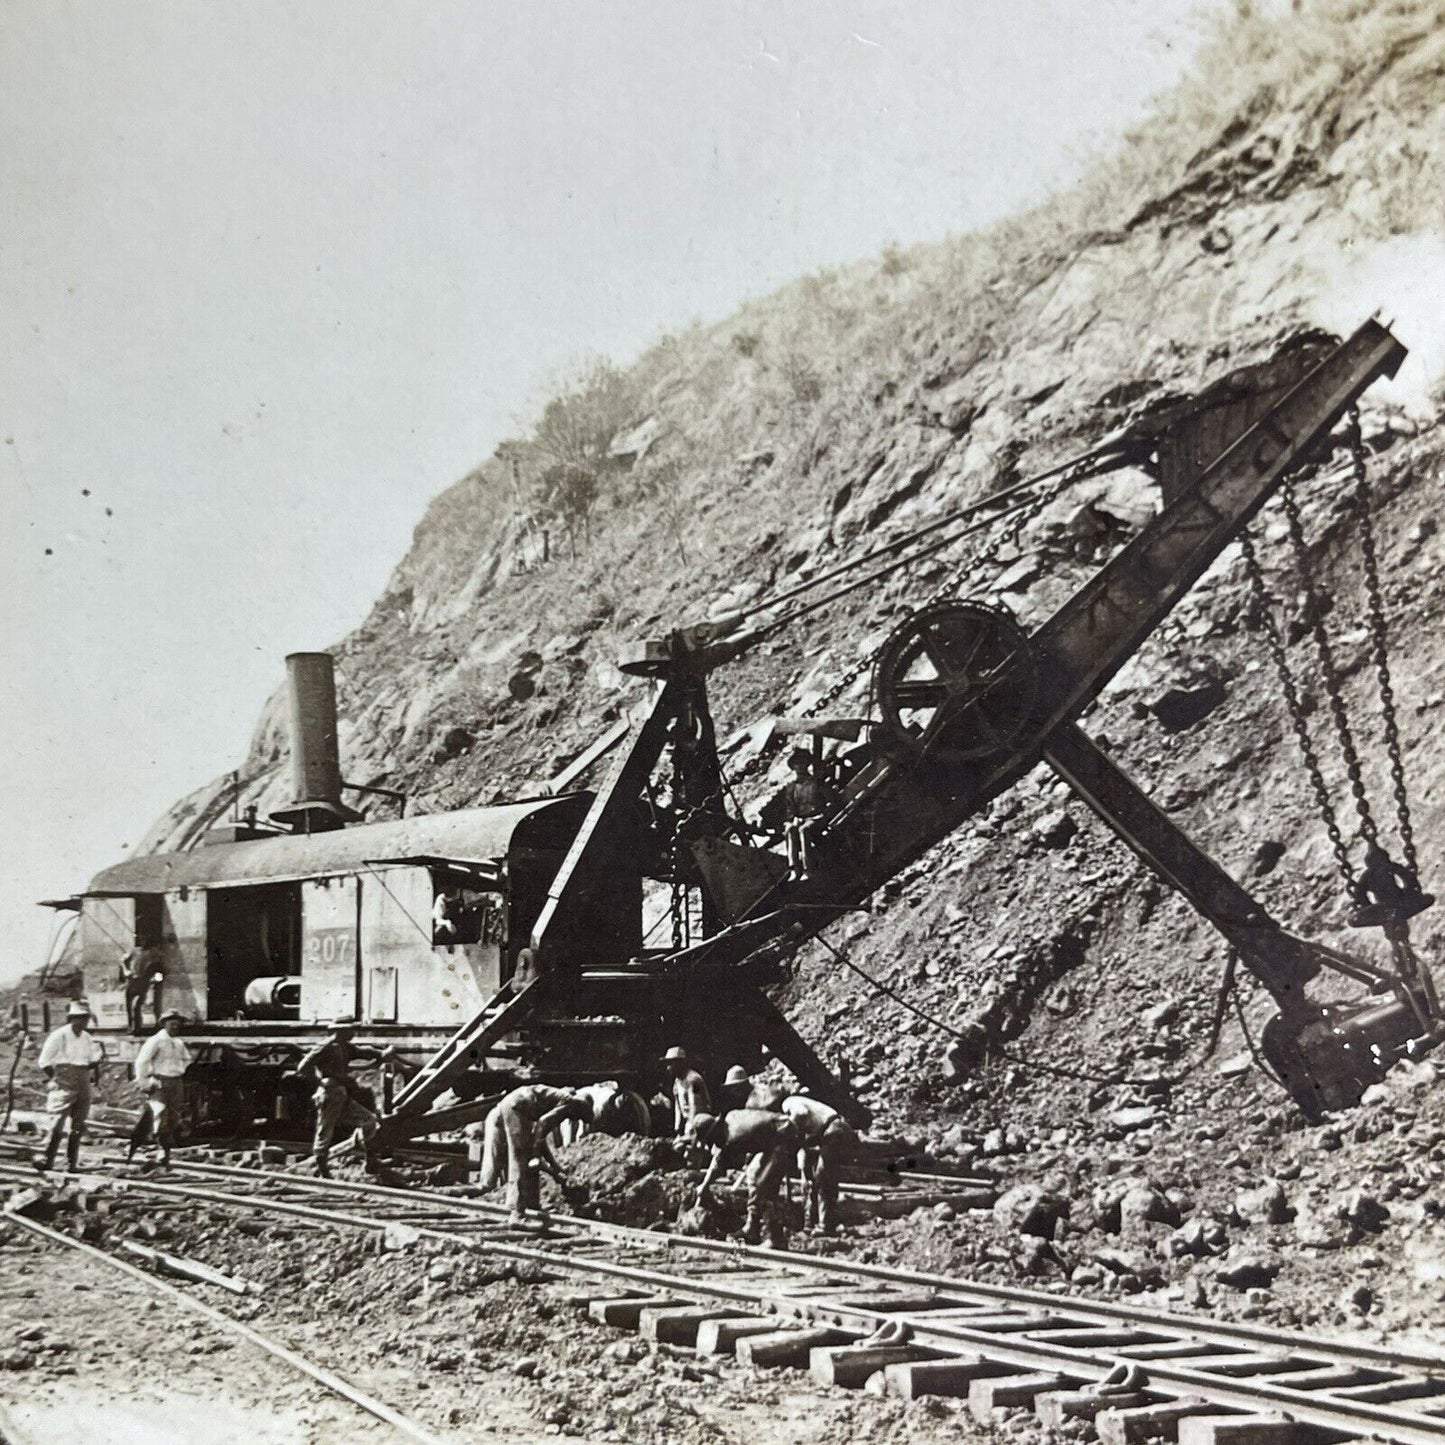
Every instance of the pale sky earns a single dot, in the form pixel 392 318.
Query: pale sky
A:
pixel 272 275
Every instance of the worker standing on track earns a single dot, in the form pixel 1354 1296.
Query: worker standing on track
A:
pixel 828 1139
pixel 160 1069
pixel 70 1058
pixel 689 1091
pixel 338 1097
pixel 764 1141
pixel 516 1147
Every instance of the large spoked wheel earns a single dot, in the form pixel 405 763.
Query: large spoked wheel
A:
pixel 955 684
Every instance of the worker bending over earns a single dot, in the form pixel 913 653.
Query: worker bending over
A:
pixel 827 1140
pixel 70 1058
pixel 759 1140
pixel 516 1147
pixel 689 1091
pixel 160 1069
pixel 340 1102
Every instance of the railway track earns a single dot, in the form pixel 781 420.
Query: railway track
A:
pixel 1136 1374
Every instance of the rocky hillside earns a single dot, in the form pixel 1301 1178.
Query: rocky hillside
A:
pixel 1294 180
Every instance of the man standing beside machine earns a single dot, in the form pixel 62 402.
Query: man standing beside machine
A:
pixel 70 1059
pixel 338 1097
pixel 160 1069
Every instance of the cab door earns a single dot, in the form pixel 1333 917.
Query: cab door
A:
pixel 330 953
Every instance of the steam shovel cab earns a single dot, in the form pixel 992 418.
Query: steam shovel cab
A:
pixel 262 937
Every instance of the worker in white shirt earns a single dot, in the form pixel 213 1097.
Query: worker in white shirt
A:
pixel 160 1069
pixel 70 1059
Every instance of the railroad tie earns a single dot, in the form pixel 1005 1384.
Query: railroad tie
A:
pixel 1245 1430
pixel 913 1379
pixel 850 1366
pixel 1055 1407
pixel 786 1349
pixel 1389 1392
pixel 720 1335
pixel 1011 1392
pixel 626 1312
pixel 1237 1366
pixel 678 1325
pixel 1147 1422
pixel 997 1322
pixel 1093 1337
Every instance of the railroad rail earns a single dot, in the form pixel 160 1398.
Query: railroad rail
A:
pixel 1135 1373
pixel 12 1431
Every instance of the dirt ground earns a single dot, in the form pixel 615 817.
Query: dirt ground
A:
pixel 1334 1229
pixel 464 1347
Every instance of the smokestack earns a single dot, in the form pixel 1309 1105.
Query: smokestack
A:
pixel 315 758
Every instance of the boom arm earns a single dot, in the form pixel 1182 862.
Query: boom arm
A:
pixel 894 812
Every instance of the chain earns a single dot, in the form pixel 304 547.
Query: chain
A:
pixel 1379 637
pixel 1274 641
pixel 1329 671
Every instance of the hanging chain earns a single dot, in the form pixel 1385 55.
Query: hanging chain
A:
pixel 1274 641
pixel 1379 636
pixel 1329 671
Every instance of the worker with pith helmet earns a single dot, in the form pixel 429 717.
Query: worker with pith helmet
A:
pixel 160 1069
pixel 741 1091
pixel 70 1059
pixel 340 1104
pixel 689 1091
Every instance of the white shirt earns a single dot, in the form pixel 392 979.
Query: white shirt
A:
pixel 65 1046
pixel 163 1057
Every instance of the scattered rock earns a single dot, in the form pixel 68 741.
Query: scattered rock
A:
pixel 1161 1015
pixel 1142 1206
pixel 1365 1212
pixel 1127 1120
pixel 1198 1238
pixel 1361 1298
pixel 1266 1204
pixel 1054 829
pixel 1030 1209
pixel 1249 1271
pixel 1184 706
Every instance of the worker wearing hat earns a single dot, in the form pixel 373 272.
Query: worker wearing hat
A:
pixel 70 1058
pixel 160 1069
pixel 689 1091
pixel 741 1091
pixel 142 973
pixel 340 1103
pixel 804 801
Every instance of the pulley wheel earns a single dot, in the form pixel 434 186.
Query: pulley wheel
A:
pixel 955 683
